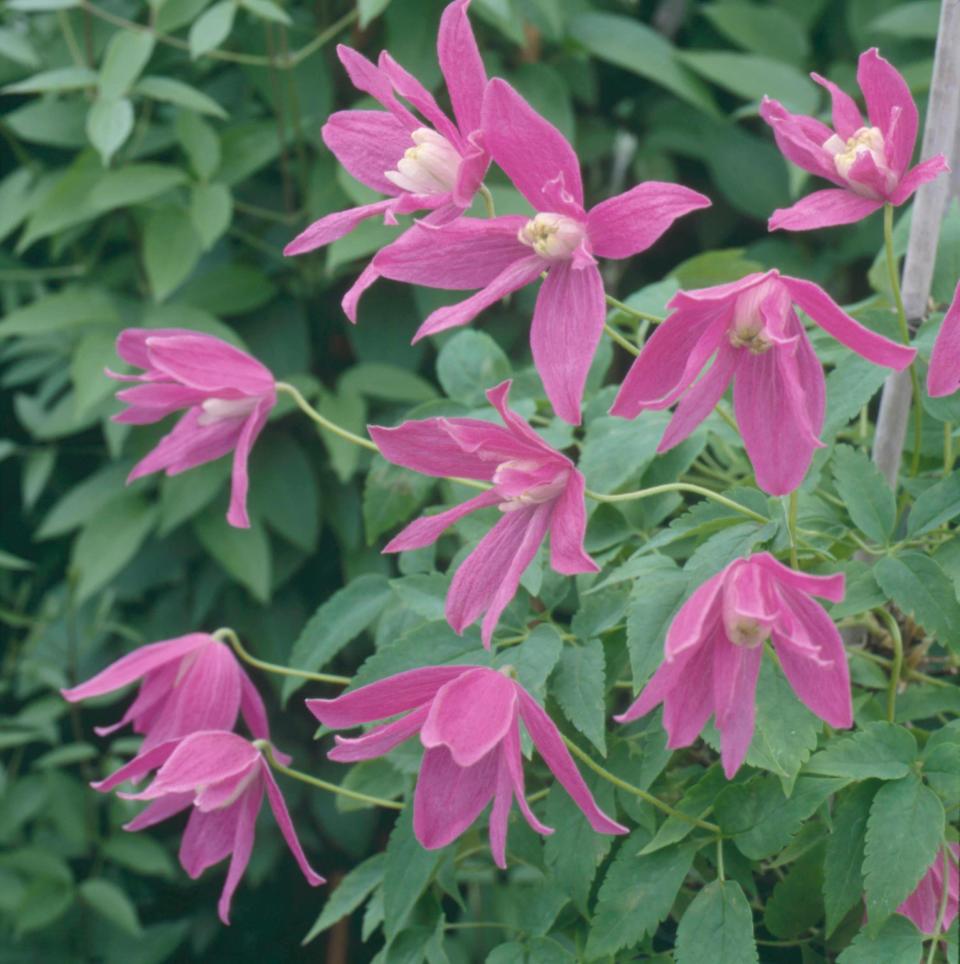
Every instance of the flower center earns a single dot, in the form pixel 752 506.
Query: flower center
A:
pixel 525 482
pixel 867 140
pixel 749 328
pixel 744 631
pixel 217 409
pixel 553 236
pixel 429 167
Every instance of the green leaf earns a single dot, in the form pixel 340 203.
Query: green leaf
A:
pixel 923 591
pixel 469 364
pixel 171 250
pixel 919 19
pixel 133 184
pixel 267 10
pixel 796 903
pixel 211 211
pixel 127 54
pixel 369 10
pixel 534 659
pixel 243 553
pixel 897 942
pixel 348 411
pixel 44 901
pixel 408 868
pixel 843 861
pixel 183 496
pixel 391 494
pixel 629 44
pixel 285 495
pixel 109 124
pixel 346 614
pixel 717 926
pixel 579 686
pixel 170 91
pixel 388 382
pixel 109 540
pixel 13 563
pixel 111 903
pixel 935 506
pixel 82 501
pixel 349 894
pixel 880 750
pixel 636 895
pixel 865 493
pixel 36 6
pixel 850 386
pixel 59 80
pixel 16 200
pixel 16 47
pixel 211 28
pixel 697 802
pixel 770 31
pixel 659 590
pixel 141 854
pixel 69 308
pixel 615 450
pixel 199 142
pixel 94 352
pixel 904 833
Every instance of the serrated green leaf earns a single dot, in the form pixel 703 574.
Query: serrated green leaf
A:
pixel 697 802
pixel 391 494
pixel 717 926
pixel 880 750
pixel 469 364
pixel 615 450
pixel 843 861
pixel 534 659
pixel 579 685
pixel 349 894
pixel 897 942
pixel 865 493
pixel 408 868
pixel 935 506
pixel 796 904
pixel 918 585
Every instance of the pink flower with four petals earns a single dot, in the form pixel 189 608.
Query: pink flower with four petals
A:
pixel 715 643
pixel 468 719
pixel 537 489
pixel 868 161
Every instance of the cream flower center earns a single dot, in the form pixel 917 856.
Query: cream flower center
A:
pixel 429 167
pixel 217 409
pixel 867 140
pixel 552 236
pixel 747 632
pixel 749 330
pixel 524 482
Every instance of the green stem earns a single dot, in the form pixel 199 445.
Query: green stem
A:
pixel 678 487
pixel 230 637
pixel 322 421
pixel 897 664
pixel 720 869
pixel 633 312
pixel 484 192
pixel 267 750
pixel 913 674
pixel 942 911
pixel 792 527
pixel 620 340
pixel 904 334
pixel 947 448
pixel 636 791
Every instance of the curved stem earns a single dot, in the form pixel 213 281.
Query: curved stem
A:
pixel 904 334
pixel 484 192
pixel 633 312
pixel 620 340
pixel 323 422
pixel 721 873
pixel 896 665
pixel 942 910
pixel 228 635
pixel 636 791
pixel 792 510
pixel 267 750
pixel 948 455
pixel 678 487
pixel 914 674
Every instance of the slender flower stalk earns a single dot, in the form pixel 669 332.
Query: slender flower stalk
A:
pixel 677 487
pixel 896 664
pixel 229 636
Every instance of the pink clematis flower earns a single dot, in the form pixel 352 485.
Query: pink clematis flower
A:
pixel 715 643
pixel 760 345
pixel 537 489
pixel 187 684
pixel 500 255
pixel 222 777
pixel 923 905
pixel 468 720
pixel 869 162
pixel 421 164
pixel 226 393
pixel 943 375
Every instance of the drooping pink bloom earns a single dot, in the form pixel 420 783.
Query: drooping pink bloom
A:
pixel 187 684
pixel 226 393
pixel 869 162
pixel 715 643
pixel 500 255
pixel 468 720
pixel 923 905
pixel 222 777
pixel 760 345
pixel 421 163
pixel 537 489
pixel 943 375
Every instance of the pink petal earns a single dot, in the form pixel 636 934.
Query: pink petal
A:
pixel 924 171
pixel 531 151
pixel 153 401
pixel 460 255
pixel 282 815
pixel 801 139
pixel 154 690
pixel 828 587
pixel 735 672
pixel 549 743
pixel 209 837
pixel 239 482
pixel 514 762
pixel 209 364
pixel 247 808
pixel 385 698
pixel 923 905
pixel 351 300
pixel 890 107
pixel 427 529
pixel 471 172
pixel 137 768
pixel 702 398
pixel 367 143
pixel 428 446
pixel 567 326
pixel 824 209
pixel 448 798
pixel 135 665
pixel 865 172
pixel 499 397
pixel 461 65
pixel 943 376
pixel 411 90
pixel 630 223
pixel 568 525
pixel 824 689
pixel 515 276
pixel 333 226
pixel 846 115
pixel 379 741
pixel 372 80
pixel 500 813
pixel 810 375
pixel 252 709
pixel 160 810
pixel 132 344
pixel 696 618
pixel 470 715
pixel 836 322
